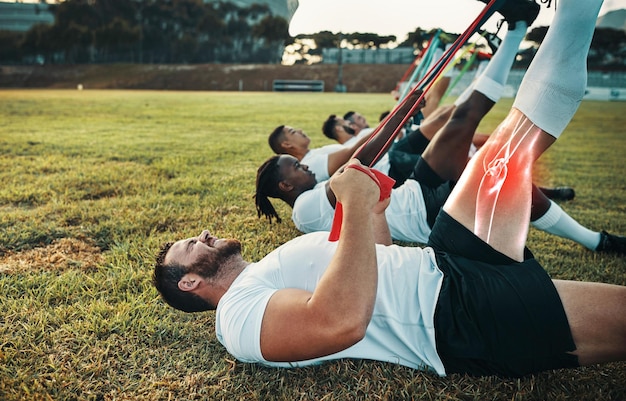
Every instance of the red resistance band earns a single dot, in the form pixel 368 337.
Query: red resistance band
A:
pixel 424 85
pixel 385 184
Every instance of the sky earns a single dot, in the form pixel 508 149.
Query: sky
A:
pixel 399 17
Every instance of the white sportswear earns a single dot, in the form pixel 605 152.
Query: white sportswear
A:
pixel 406 213
pixel 401 330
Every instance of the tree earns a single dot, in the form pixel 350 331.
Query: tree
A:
pixel 11 46
pixel 606 46
pixel 418 39
pixel 536 35
pixel 368 40
pixel 272 29
pixel 273 33
pixel 116 37
pixel 326 39
pixel 302 50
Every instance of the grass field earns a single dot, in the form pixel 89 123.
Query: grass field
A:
pixel 94 181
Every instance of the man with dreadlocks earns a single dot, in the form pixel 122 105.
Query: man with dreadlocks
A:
pixel 474 301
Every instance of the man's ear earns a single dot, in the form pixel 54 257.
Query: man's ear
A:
pixel 189 282
pixel 286 145
pixel 284 186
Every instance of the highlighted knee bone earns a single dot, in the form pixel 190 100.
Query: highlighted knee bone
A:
pixel 495 175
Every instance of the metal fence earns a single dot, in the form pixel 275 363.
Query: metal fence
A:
pixel 600 85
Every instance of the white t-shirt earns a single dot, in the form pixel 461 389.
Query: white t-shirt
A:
pixel 402 327
pixel 406 213
pixel 350 142
pixel 317 160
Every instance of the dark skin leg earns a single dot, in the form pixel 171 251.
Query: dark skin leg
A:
pixel 540 204
pixel 371 151
pixel 447 152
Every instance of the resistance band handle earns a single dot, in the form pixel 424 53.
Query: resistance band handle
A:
pixel 385 185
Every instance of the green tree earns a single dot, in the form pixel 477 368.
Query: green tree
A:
pixel 606 46
pixel 272 34
pixel 418 39
pixel 368 40
pixel 536 35
pixel 116 40
pixel 11 46
pixel 272 29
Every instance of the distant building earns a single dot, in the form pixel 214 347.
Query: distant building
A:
pixel 20 17
pixel 398 55
pixel 279 8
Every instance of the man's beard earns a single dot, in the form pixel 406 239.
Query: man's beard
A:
pixel 349 130
pixel 210 267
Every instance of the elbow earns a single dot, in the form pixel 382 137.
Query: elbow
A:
pixel 359 333
pixel 353 330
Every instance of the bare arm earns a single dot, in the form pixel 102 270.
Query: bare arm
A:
pixel 369 153
pixel 300 325
pixel 339 158
pixel 381 228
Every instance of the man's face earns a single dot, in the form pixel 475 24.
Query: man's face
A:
pixel 296 137
pixel 296 174
pixel 344 125
pixel 359 121
pixel 203 254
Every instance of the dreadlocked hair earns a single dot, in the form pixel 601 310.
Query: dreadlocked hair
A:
pixel 267 179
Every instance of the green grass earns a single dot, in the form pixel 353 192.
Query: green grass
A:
pixel 94 181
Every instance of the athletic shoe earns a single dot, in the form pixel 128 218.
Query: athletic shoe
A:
pixel 518 10
pixel 559 193
pixel 611 243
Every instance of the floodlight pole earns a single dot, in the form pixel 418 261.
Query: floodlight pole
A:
pixel 340 86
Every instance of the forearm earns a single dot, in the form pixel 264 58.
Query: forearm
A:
pixel 382 235
pixel 350 281
pixel 372 150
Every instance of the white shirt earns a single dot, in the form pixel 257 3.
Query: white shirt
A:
pixel 317 160
pixel 350 142
pixel 406 213
pixel 402 326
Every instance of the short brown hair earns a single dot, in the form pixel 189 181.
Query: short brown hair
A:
pixel 165 279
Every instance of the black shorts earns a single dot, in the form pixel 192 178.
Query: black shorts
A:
pixel 434 190
pixel 404 154
pixel 495 316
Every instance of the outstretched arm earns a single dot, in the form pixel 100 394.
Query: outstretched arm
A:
pixel 300 325
pixel 370 148
pixel 373 149
pixel 339 158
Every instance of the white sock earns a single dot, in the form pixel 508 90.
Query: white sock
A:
pixel 492 80
pixel 500 64
pixel 556 221
pixel 555 82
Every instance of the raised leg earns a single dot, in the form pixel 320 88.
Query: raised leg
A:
pixel 493 196
pixel 448 150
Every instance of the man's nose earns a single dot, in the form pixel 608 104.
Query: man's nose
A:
pixel 204 236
